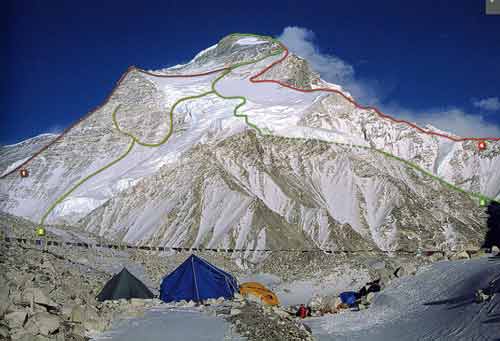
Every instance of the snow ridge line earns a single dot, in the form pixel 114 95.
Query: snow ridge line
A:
pixel 171 126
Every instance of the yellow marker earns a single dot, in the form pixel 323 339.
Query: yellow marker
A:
pixel 40 231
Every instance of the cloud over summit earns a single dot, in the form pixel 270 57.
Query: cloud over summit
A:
pixel 300 41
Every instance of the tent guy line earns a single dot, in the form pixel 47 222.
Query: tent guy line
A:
pixel 95 246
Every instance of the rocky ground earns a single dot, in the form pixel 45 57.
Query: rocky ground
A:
pixel 44 296
pixel 258 322
pixel 50 294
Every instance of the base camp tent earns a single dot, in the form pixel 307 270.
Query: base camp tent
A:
pixel 124 285
pixel 197 280
pixel 260 292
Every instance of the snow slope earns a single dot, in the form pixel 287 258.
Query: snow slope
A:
pixel 168 323
pixel 15 154
pixel 436 304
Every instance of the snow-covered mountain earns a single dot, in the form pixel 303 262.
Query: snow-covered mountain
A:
pixel 15 154
pixel 311 175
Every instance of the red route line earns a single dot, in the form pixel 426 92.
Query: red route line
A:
pixel 357 105
pixel 253 80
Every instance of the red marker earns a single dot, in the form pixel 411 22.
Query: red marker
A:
pixel 481 145
pixel 24 173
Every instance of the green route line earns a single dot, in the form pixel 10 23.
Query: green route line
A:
pixel 80 182
pixel 441 180
pixel 134 140
pixel 171 125
pixel 247 121
pixel 408 163
pixel 243 100
pixel 170 131
pixel 233 67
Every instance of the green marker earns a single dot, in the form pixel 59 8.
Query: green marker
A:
pixel 483 202
pixel 40 231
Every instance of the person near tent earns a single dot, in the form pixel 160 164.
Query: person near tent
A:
pixel 369 287
pixel 302 312
pixel 486 294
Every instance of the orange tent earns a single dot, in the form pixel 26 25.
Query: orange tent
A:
pixel 259 291
pixel 253 285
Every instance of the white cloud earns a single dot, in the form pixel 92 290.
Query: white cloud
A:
pixel 453 120
pixel 333 69
pixel 491 103
pixel 300 41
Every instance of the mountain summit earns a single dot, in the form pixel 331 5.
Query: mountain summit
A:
pixel 212 154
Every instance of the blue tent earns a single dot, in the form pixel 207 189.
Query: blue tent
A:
pixel 348 297
pixel 197 280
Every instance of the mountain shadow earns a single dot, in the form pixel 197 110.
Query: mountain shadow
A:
pixel 493 234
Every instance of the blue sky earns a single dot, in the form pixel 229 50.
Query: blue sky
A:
pixel 429 61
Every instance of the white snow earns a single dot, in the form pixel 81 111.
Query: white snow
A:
pixel 14 165
pixel 75 207
pixel 250 41
pixel 168 323
pixel 202 52
pixel 32 139
pixel 303 291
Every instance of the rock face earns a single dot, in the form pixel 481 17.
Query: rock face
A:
pixel 495 250
pixel 316 178
pixel 459 255
pixel 251 192
pixel 459 163
pixel 294 71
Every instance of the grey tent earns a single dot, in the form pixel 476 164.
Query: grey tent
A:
pixel 124 285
